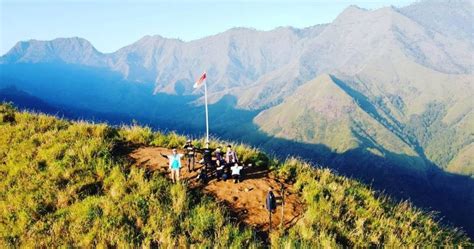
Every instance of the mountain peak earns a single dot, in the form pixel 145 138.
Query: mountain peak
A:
pixel 157 38
pixel 62 41
pixel 151 41
pixel 452 18
pixel 74 39
pixel 235 31
pixel 352 10
pixel 325 86
pixel 355 13
pixel 70 50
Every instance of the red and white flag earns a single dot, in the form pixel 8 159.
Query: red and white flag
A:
pixel 200 81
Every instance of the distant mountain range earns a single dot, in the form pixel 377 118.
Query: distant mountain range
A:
pixel 395 84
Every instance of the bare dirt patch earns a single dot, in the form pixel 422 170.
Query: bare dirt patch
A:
pixel 246 199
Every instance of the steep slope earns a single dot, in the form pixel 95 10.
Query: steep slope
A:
pixel 452 18
pixel 432 110
pixel 322 111
pixel 352 42
pixel 411 78
pixel 261 68
pixel 406 75
pixel 71 183
pixel 462 162
pixel 146 58
pixel 234 58
pixel 24 100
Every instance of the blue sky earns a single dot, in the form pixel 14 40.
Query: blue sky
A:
pixel 109 25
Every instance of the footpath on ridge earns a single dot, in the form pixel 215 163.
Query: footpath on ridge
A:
pixel 246 199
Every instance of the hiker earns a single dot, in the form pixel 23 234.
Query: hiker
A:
pixel 227 172
pixel 202 176
pixel 206 156
pixel 220 172
pixel 189 148
pixel 236 175
pixel 270 205
pixel 231 156
pixel 220 161
pixel 174 164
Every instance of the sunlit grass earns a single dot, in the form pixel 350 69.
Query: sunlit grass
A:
pixel 63 185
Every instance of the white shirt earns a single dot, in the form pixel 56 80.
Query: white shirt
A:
pixel 236 169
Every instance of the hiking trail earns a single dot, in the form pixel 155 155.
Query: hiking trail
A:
pixel 246 199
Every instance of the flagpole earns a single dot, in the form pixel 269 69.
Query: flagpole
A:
pixel 207 115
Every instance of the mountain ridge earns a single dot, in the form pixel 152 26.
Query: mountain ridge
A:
pixel 336 110
pixel 392 103
pixel 233 70
pixel 263 68
pixel 93 184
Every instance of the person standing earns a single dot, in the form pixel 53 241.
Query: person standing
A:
pixel 219 158
pixel 270 202
pixel 220 163
pixel 231 156
pixel 174 164
pixel 190 154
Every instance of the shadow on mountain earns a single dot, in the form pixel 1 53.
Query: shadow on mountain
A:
pixel 81 92
pixel 78 93
pixel 24 101
pixel 432 189
pixel 450 194
pixel 367 106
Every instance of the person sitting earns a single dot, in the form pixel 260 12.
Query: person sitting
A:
pixel 202 176
pixel 231 156
pixel 222 168
pixel 227 172
pixel 219 172
pixel 236 172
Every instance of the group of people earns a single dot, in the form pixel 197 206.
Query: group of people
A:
pixel 225 166
pixel 228 166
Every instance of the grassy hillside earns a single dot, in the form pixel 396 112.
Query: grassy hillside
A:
pixel 421 121
pixel 322 111
pixel 69 184
pixel 429 109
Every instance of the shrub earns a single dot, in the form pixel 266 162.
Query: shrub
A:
pixel 7 113
pixel 136 134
